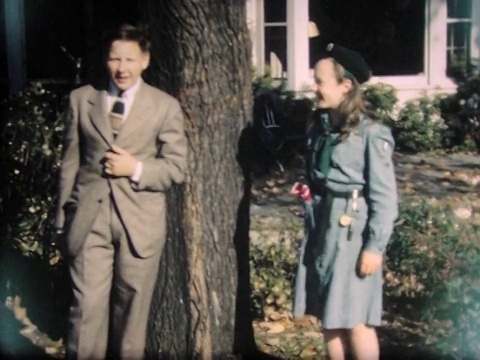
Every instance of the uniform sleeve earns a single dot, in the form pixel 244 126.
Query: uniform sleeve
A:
pixel 381 188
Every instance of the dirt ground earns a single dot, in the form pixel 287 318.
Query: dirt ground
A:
pixel 448 178
pixel 451 178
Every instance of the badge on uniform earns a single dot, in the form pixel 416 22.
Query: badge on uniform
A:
pixel 345 220
pixel 385 145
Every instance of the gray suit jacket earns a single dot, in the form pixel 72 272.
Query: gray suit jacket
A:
pixel 153 133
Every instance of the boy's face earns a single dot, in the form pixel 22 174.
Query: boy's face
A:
pixel 126 62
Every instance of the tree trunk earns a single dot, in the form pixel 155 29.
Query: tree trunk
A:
pixel 201 55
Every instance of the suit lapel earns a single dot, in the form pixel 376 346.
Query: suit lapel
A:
pixel 137 114
pixel 98 115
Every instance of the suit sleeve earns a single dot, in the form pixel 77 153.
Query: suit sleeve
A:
pixel 70 161
pixel 169 167
pixel 381 189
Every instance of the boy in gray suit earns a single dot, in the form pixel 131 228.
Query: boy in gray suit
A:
pixel 124 146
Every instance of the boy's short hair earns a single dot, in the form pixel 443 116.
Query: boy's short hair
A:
pixel 129 33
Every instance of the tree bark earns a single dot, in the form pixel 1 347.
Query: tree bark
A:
pixel 201 55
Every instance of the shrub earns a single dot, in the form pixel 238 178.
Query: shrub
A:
pixel 419 126
pixel 381 101
pixel 434 260
pixel 461 112
pixel 272 271
pixel 266 83
pixel 279 126
pixel 30 151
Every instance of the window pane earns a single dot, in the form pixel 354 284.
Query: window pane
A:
pixel 275 10
pixel 458 47
pixel 276 50
pixel 457 60
pixel 461 34
pixel 459 9
pixel 389 34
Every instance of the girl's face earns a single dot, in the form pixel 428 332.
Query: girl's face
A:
pixel 329 91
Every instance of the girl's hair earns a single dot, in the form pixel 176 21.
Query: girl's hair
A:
pixel 352 105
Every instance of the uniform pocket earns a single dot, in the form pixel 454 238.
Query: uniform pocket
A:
pixel 349 154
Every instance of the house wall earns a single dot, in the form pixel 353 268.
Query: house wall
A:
pixel 476 33
pixel 300 78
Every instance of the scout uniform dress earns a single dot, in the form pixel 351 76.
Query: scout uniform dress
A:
pixel 355 179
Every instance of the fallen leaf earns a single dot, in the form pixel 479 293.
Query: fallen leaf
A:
pixel 463 213
pixel 265 325
pixel 276 328
pixel 475 180
pixel 304 321
pixel 313 334
pixel 273 341
pixel 308 353
pixel 276 190
pixel 462 177
pixel 270 183
pixel 275 316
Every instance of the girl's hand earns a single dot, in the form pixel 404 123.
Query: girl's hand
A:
pixel 369 262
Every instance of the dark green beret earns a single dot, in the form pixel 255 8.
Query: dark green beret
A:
pixel 351 60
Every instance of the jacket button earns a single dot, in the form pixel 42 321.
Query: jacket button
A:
pixel 100 201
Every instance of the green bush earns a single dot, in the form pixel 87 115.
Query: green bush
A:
pixel 461 112
pixel 419 126
pixel 30 151
pixel 434 260
pixel 266 82
pixel 432 268
pixel 272 272
pixel 381 102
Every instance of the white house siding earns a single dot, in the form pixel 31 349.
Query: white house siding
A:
pixel 433 80
pixel 476 33
pixel 297 43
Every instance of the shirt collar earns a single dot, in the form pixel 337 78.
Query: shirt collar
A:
pixel 113 90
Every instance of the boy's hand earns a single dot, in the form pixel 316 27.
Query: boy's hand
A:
pixel 119 162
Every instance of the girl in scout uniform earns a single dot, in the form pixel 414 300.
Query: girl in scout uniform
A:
pixel 350 168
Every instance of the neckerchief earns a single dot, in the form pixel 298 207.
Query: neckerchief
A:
pixel 323 147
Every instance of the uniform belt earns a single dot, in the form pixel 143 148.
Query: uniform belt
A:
pixel 323 191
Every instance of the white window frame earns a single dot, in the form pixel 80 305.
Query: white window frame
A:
pixel 435 65
pixel 468 42
pixel 277 70
pixel 297 40
pixel 300 77
pixel 475 35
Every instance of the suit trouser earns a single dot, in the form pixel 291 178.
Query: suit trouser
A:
pixel 112 292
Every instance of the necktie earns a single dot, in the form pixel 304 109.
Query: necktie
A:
pixel 116 115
